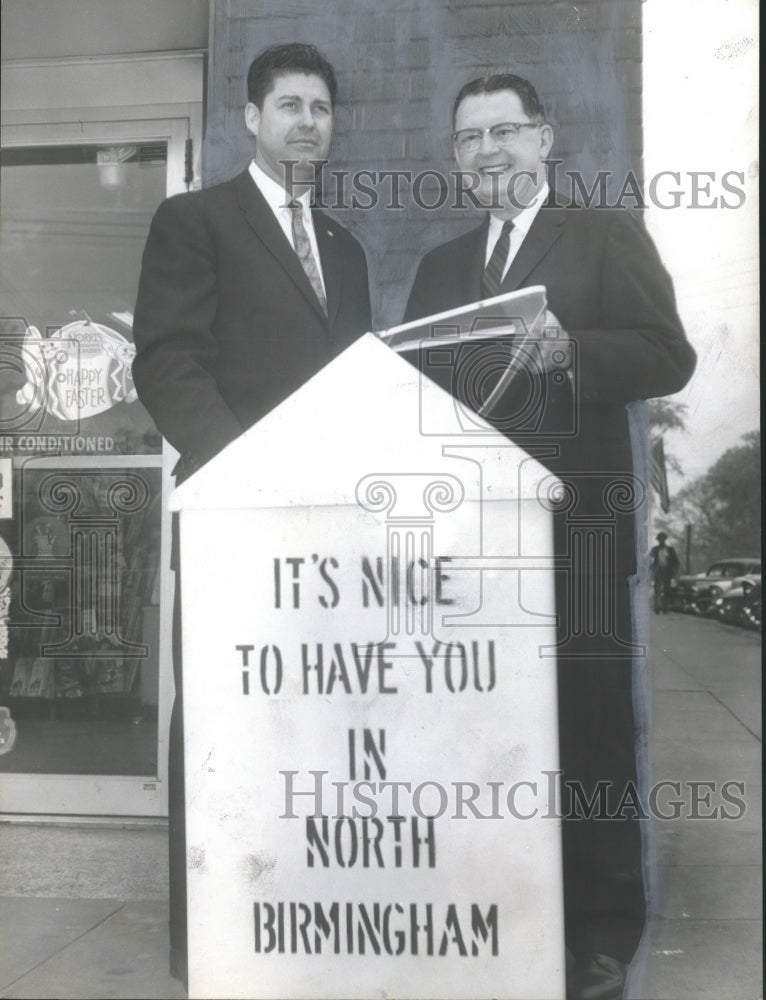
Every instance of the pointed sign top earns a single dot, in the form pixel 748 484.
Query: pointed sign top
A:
pixel 367 412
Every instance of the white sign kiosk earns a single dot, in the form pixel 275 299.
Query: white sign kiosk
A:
pixel 371 739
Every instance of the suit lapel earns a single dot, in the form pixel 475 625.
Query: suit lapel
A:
pixel 474 270
pixel 265 226
pixel 543 233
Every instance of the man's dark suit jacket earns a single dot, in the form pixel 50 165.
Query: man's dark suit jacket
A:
pixel 227 324
pixel 610 292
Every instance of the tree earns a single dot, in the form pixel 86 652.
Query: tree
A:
pixel 666 415
pixel 723 506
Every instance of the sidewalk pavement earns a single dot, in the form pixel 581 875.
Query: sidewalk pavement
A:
pixel 83 909
pixel 83 912
pixel 705 936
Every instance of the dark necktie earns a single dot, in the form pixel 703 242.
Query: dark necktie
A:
pixel 302 246
pixel 492 278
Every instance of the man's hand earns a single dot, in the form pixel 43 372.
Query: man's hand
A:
pixel 553 344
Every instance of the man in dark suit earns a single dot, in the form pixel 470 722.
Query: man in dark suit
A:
pixel 612 335
pixel 245 293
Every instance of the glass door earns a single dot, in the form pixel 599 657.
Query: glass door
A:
pixel 85 600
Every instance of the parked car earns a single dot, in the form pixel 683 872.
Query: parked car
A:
pixel 698 593
pixel 741 604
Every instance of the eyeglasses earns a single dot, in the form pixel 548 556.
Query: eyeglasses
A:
pixel 468 140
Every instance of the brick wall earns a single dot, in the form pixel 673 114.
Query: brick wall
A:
pixel 399 65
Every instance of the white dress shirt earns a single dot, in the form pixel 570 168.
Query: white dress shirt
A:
pixel 277 198
pixel 521 226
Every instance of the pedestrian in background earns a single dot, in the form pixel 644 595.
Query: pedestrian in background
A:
pixel 664 564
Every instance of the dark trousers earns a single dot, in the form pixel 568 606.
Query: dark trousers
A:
pixel 661 592
pixel 176 795
pixel 604 905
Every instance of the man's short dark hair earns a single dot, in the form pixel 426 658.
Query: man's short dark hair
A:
pixel 526 93
pixel 292 58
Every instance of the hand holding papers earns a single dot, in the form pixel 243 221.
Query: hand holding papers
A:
pixel 492 355
pixel 555 347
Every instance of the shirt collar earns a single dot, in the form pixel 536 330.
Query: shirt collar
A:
pixel 523 221
pixel 274 193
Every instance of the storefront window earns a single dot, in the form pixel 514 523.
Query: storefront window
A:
pixel 80 460
pixel 74 223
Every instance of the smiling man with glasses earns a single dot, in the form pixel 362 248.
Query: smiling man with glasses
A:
pixel 612 325
pixel 502 135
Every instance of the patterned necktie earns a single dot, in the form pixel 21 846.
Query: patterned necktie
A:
pixel 492 278
pixel 303 249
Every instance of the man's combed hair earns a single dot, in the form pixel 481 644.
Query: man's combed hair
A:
pixel 292 58
pixel 527 94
